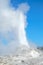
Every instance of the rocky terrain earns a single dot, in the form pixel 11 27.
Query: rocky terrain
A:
pixel 23 56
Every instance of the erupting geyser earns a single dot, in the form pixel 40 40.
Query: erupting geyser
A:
pixel 12 27
pixel 15 20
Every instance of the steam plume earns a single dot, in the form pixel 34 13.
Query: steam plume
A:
pixel 12 26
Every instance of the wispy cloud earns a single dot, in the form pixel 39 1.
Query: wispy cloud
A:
pixel 12 26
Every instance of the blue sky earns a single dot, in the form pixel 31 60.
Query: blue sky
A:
pixel 34 29
pixel 35 18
